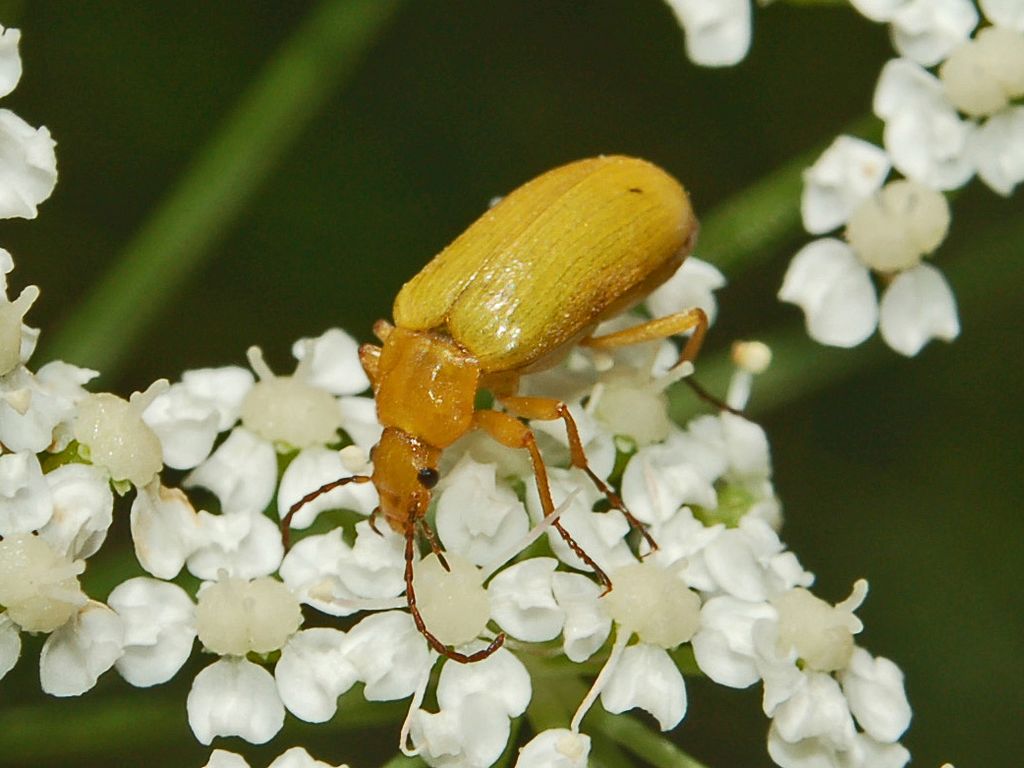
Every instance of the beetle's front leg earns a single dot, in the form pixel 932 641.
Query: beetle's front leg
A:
pixel 550 409
pixel 511 432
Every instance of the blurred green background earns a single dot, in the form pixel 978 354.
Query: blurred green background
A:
pixel 907 473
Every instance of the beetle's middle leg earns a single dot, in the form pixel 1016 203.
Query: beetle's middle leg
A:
pixel 550 409
pixel 511 432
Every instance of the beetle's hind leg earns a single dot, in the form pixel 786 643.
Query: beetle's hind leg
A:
pixel 550 409
pixel 511 432
pixel 417 618
pixel 286 521
pixel 661 328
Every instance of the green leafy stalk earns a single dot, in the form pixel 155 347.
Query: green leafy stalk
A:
pixel 267 120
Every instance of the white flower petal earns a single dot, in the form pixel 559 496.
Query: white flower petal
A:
pixel 916 307
pixel 242 473
pixel 817 709
pixel 10 644
pixel 297 757
pixel 26 498
pixel 926 139
pixel 717 31
pixel 724 645
pixel 83 507
pixel 868 753
pixel 522 601
pixel 186 426
pixel 826 280
pixel 28 169
pixel 390 656
pixel 997 148
pixel 692 285
pixel 874 689
pixel 846 173
pixel 221 758
pixel 473 735
pixel 928 30
pixel 245 546
pixel 647 678
pixel 159 629
pixel 223 389
pixel 659 480
pixel 311 469
pixel 359 420
pixel 879 10
pixel 312 673
pixel 902 83
pixel 500 676
pixel 555 748
pixel 165 530
pixel 477 517
pixel 234 697
pixel 76 654
pixel 331 362
pixel 587 625
pixel 10 60
pixel 310 569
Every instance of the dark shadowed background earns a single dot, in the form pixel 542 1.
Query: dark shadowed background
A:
pixel 905 472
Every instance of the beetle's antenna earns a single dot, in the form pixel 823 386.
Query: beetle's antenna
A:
pixel 286 521
pixel 410 600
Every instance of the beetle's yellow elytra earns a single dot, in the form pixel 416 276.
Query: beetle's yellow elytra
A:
pixel 535 273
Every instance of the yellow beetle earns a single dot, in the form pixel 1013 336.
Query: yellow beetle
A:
pixel 530 278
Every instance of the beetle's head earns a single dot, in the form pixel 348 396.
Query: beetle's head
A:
pixel 404 473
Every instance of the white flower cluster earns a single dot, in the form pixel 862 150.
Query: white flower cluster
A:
pixel 293 629
pixel 939 132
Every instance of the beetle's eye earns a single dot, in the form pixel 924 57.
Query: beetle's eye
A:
pixel 428 477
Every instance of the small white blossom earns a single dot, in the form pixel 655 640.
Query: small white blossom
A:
pixel 234 697
pixel 717 31
pixel 313 672
pixel 647 678
pixel 117 438
pixel 79 651
pixel 159 629
pixel 555 748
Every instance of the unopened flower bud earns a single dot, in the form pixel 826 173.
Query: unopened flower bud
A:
pixel 38 587
pixel 453 603
pixel 287 409
pixel 893 230
pixel 983 75
pixel 654 603
pixel 236 616
pixel 116 436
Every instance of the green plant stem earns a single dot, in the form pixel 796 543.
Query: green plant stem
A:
pixel 267 120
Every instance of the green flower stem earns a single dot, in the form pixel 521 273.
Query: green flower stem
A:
pixel 265 123
pixel 641 740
